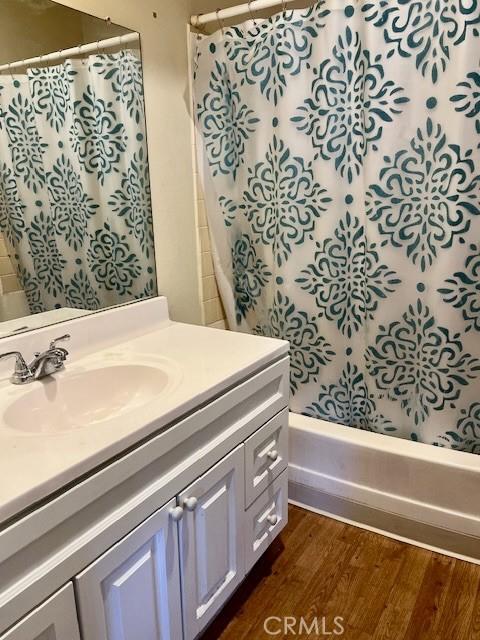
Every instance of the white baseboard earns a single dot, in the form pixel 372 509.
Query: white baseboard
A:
pixel 308 495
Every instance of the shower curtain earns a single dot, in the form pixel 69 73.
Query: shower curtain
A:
pixel 74 184
pixel 339 152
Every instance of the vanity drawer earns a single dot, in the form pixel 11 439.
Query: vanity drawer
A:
pixel 266 456
pixel 265 518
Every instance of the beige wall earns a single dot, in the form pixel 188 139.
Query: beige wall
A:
pixel 206 6
pixel 165 68
pixel 26 32
pixel 30 28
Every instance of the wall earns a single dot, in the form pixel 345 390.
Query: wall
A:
pixel 30 28
pixel 23 23
pixel 165 68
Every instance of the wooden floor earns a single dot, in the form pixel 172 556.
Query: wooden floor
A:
pixel 383 589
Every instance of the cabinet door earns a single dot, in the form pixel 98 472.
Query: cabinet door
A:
pixel 55 619
pixel 132 591
pixel 211 541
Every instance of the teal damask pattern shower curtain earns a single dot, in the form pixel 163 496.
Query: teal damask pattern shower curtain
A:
pixel 74 184
pixel 340 160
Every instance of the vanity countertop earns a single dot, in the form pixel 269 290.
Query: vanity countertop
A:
pixel 200 362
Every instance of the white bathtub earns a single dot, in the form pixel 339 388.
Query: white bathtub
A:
pixel 415 492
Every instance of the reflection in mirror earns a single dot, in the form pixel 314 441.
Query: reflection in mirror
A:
pixel 75 211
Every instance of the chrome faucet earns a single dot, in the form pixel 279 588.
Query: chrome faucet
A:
pixel 43 364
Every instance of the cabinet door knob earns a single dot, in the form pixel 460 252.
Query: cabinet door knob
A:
pixel 190 503
pixel 176 513
pixel 273 454
pixel 273 519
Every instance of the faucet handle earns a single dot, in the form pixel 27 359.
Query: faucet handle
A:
pixel 53 343
pixel 22 371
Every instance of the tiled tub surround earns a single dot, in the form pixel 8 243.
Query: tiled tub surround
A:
pixel 13 302
pixel 8 278
pixel 214 313
pixel 68 495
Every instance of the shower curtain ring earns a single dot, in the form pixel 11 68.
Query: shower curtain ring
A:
pixel 81 54
pixel 284 6
pixel 10 70
pixel 220 21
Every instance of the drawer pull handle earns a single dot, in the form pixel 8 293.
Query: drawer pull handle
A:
pixel 273 519
pixel 273 455
pixel 176 513
pixel 190 503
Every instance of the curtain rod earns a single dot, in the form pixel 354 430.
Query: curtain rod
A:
pixel 74 51
pixel 234 12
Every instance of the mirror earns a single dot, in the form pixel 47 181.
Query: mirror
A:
pixel 76 232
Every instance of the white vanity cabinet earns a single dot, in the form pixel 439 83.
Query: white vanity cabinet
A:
pixel 133 591
pixel 189 556
pixel 153 544
pixel 55 619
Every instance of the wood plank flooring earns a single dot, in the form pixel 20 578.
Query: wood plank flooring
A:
pixel 383 589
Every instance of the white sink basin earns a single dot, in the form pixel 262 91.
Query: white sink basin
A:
pixel 70 401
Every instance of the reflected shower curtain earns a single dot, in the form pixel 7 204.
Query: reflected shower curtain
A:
pixel 74 185
pixel 340 160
